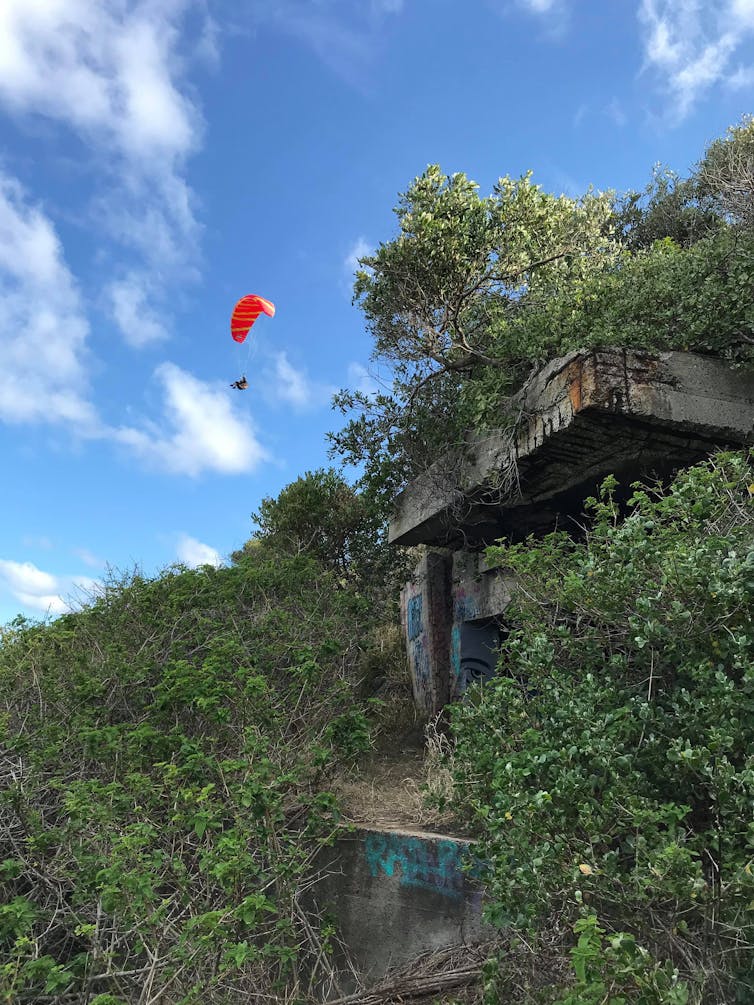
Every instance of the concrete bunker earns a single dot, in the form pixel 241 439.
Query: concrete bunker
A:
pixel 633 414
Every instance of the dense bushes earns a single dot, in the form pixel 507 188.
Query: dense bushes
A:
pixel 164 758
pixel 609 769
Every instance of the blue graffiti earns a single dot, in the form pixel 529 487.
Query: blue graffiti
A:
pixel 432 864
pixel 420 661
pixel 414 616
pixel 455 650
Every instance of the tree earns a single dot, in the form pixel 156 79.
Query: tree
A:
pixel 319 514
pixel 436 295
pixel 725 175
pixel 668 207
pixel 439 299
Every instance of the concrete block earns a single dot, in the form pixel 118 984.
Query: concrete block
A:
pixel 397 894
pixel 578 419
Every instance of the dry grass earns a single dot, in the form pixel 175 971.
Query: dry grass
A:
pixel 403 786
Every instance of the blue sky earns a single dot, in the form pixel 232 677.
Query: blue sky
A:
pixel 160 159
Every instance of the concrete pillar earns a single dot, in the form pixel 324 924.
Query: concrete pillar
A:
pixel 426 617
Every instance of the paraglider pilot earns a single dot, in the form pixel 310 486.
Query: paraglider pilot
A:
pixel 241 384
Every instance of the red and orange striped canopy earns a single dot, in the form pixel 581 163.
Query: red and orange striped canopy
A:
pixel 245 313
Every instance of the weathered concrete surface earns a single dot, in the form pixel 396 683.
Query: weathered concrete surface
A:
pixel 425 615
pixel 398 893
pixel 449 612
pixel 480 596
pixel 581 417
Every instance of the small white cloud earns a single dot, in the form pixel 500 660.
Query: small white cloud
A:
pixel 50 604
pixel 579 114
pixel 552 16
pixel 293 385
pixel 690 46
pixel 200 431
pixel 37 541
pixel 194 553
pixel 88 558
pixel 41 591
pixel 288 384
pixel 25 577
pixel 130 309
pixel 359 249
pixel 539 6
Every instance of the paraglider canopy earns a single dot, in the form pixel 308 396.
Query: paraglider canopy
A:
pixel 245 313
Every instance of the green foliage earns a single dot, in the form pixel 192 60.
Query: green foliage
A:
pixel 668 207
pixel 659 299
pixel 613 970
pixel 164 761
pixel 476 291
pixel 609 768
pixel 439 297
pixel 724 177
pixel 319 514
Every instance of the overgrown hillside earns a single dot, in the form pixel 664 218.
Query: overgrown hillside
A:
pixel 165 758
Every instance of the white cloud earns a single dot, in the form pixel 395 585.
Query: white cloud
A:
pixel 690 45
pixel 200 431
pixel 129 305
pixel 105 69
pixel 552 15
pixel 579 114
pixel 359 249
pixel 293 386
pixel 37 541
pixel 111 73
pixel 286 383
pixel 25 577
pixel 52 603
pixel 41 591
pixel 88 558
pixel 194 553
pixel 43 328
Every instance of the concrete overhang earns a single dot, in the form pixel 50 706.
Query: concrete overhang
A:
pixel 581 417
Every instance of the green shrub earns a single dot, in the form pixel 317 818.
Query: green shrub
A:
pixel 609 768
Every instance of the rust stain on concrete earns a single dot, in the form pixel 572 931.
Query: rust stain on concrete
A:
pixel 574 385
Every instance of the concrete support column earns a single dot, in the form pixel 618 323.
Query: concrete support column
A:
pixel 426 613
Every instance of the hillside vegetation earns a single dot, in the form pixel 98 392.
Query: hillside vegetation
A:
pixel 167 752
pixel 165 759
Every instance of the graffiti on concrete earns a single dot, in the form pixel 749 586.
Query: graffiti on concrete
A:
pixel 414 616
pixel 432 864
pixel 420 663
pixel 479 642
